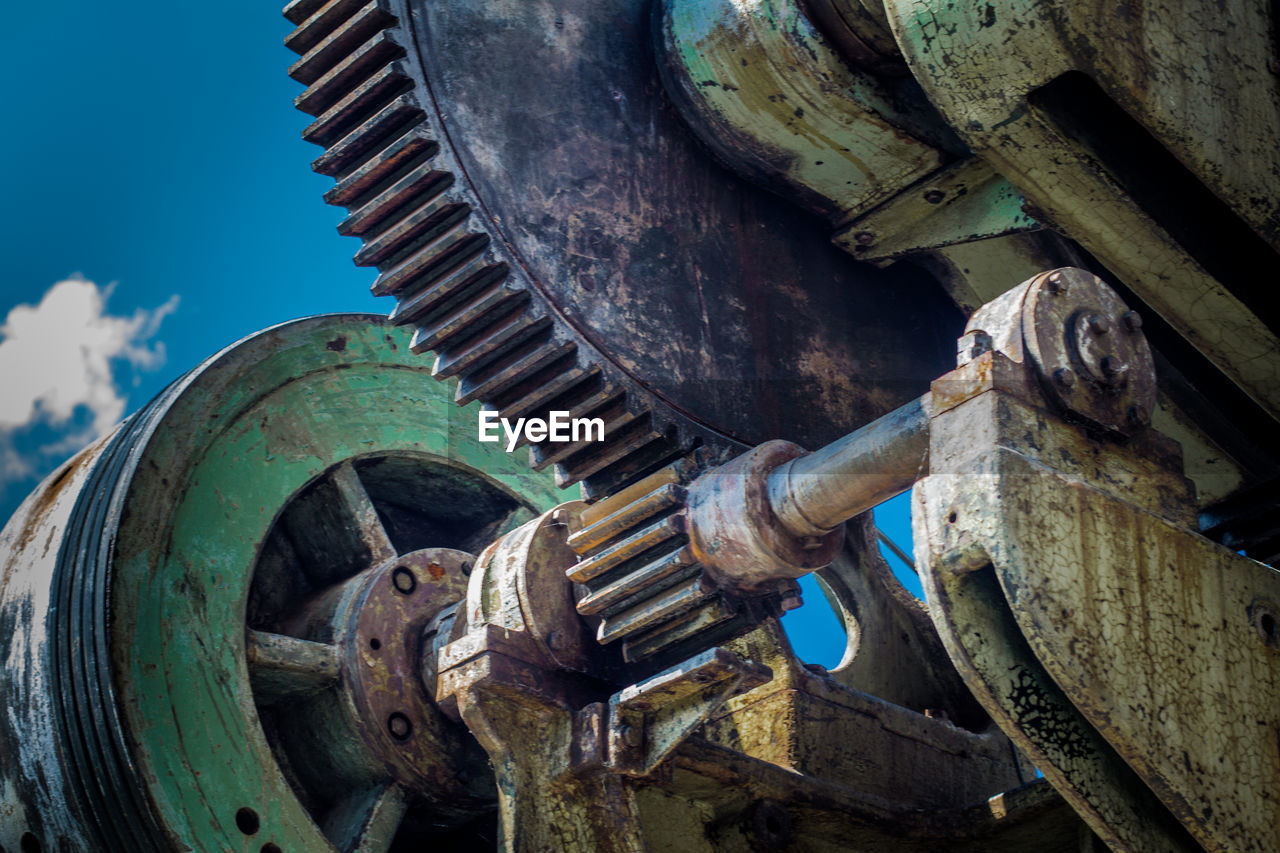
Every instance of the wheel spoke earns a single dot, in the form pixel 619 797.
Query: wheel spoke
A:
pixel 358 506
pixel 282 667
pixel 366 822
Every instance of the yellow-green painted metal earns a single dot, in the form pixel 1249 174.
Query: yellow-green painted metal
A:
pixel 1144 131
pixel 770 93
pixel 208 468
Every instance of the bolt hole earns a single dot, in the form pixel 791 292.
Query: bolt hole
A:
pixel 375 643
pixel 271 847
pixel 951 519
pixel 247 821
pixel 29 843
pixel 403 580
pixel 399 726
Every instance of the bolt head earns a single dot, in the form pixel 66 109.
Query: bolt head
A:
pixel 1112 366
pixel 1132 320
pixel 1064 377
pixel 1098 324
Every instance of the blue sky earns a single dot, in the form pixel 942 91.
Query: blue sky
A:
pixel 160 205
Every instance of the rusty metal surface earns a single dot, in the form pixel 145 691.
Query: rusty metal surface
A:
pixel 1161 642
pixel 1127 655
pixel 531 217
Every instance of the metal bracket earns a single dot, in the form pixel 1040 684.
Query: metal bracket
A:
pixel 643 724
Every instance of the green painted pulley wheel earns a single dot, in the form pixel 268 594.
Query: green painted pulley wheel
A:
pixel 211 621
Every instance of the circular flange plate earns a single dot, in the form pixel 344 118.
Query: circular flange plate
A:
pixel 1089 350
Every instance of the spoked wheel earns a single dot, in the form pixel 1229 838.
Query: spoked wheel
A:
pixel 211 621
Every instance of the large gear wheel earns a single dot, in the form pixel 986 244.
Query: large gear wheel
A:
pixel 561 242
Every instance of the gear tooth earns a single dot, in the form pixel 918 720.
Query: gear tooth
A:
pixel 413 147
pixel 358 105
pixel 711 623
pixel 456 252
pixel 321 23
pixel 535 397
pixel 426 223
pixel 623 431
pixel 297 11
pixel 478 305
pixel 329 50
pixel 368 139
pixel 444 289
pixel 653 612
pixel 422 184
pixel 347 75
pixel 490 344
pixel 635 588
pixel 509 371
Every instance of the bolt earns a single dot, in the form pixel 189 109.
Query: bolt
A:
pixel 934 196
pixel 555 641
pixel 1064 377
pixel 1112 366
pixel 466 570
pixel 403 580
pixel 1138 415
pixel 864 238
pixel 1055 283
pixel 1098 324
pixel 399 726
pixel 1132 320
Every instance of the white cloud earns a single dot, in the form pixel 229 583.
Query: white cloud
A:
pixel 56 361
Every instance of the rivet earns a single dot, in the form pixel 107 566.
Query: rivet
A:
pixel 934 196
pixel 1132 320
pixel 864 238
pixel 1065 377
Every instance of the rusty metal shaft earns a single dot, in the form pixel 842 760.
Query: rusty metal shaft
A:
pixel 815 493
